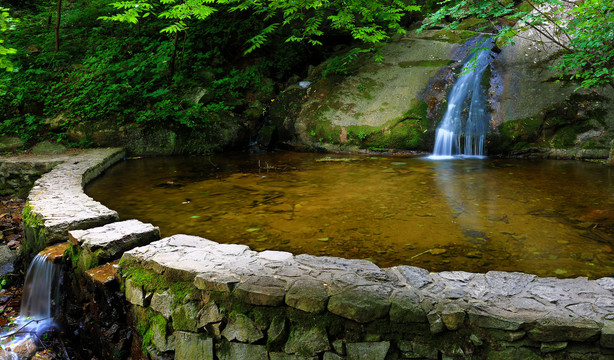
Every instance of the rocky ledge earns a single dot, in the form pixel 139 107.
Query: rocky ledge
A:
pixel 296 307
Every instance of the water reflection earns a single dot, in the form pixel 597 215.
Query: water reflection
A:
pixel 545 217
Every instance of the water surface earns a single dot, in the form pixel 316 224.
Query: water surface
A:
pixel 550 218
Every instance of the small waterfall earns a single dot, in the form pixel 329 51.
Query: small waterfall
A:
pixel 465 117
pixel 40 292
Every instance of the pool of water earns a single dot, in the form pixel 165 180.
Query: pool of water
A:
pixel 550 218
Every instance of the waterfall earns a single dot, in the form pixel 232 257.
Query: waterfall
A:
pixel 465 116
pixel 40 290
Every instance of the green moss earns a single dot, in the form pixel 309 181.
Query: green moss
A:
pixel 455 36
pixel 472 24
pixel 425 63
pixel 34 231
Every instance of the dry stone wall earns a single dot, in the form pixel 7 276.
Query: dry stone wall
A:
pixel 192 298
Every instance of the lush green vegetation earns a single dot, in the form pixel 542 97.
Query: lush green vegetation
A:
pixel 583 30
pixel 193 64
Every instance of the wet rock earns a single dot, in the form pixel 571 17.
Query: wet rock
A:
pixel 405 307
pixel 162 303
pixel 242 328
pixel 307 295
pixel 25 349
pixel 191 346
pixel 308 340
pixel 362 304
pixel 368 350
pixel 7 258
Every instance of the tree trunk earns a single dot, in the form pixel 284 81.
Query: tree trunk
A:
pixel 171 65
pixel 57 26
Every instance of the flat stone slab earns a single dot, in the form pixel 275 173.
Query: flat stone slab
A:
pixel 57 198
pixel 115 238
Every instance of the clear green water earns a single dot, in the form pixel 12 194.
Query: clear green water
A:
pixel 551 218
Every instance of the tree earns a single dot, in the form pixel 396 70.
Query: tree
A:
pixel 583 31
pixel 6 23
pixel 368 21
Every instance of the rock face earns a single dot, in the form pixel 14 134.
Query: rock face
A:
pixel 379 106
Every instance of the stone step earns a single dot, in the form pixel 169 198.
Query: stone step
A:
pixel 55 253
pixel 105 274
pixel 110 241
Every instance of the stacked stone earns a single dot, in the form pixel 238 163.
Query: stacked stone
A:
pixel 245 304
pixel 57 202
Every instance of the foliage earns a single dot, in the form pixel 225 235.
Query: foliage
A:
pixel 6 23
pixel 582 30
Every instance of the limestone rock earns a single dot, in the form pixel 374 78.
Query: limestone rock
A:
pixel 436 324
pixel 214 281
pixel 238 351
pixel 162 303
pixel 307 295
pixel 307 341
pixel 7 258
pixel 362 304
pixel 513 354
pixel 508 283
pixel 25 349
pixel 159 338
pixel 284 356
pixel 493 321
pixel 368 350
pixel 405 307
pixel 191 346
pixel 552 346
pixel 241 328
pixel 607 335
pixel 331 356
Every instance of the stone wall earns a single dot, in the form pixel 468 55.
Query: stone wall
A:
pixel 17 176
pixel 187 297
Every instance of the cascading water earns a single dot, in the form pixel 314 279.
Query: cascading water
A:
pixel 465 117
pixel 40 289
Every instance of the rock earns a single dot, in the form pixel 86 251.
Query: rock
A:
pixel 307 295
pixel 307 341
pixel 212 281
pixel 362 304
pixel 339 347
pixel 13 244
pixel 436 324
pixel 25 349
pixel 277 332
pixel 241 328
pixel 240 351
pixel 284 356
pixel 191 346
pixel 508 336
pixel 209 314
pixel 159 338
pixel 7 259
pixel 162 303
pixel 513 354
pixel 493 321
pixel 368 350
pixel 506 283
pixel 331 356
pixel 134 293
pixel 185 317
pixel 262 291
pixel 607 335
pixel 405 307
pixel 453 316
pixel 10 143
pixel 47 147
pixel 552 346
pixel 416 277
pixel 558 330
